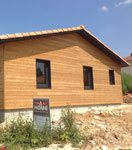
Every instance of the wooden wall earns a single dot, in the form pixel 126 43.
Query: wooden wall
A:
pixel 67 53
pixel 1 77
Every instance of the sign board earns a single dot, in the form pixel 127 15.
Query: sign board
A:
pixel 41 112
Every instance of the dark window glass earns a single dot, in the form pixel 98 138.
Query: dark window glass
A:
pixel 43 73
pixel 88 77
pixel 111 77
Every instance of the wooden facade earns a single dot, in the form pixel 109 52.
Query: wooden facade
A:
pixel 1 77
pixel 68 53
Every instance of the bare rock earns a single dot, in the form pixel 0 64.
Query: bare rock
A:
pixel 104 147
pixel 97 118
pixel 92 142
pixel 97 112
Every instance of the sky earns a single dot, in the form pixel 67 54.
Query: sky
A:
pixel 108 20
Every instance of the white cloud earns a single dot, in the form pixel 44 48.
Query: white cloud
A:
pixel 125 2
pixel 104 8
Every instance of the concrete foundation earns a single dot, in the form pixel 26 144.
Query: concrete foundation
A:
pixel 54 112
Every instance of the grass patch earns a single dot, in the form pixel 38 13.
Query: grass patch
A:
pixel 21 135
pixel 126 82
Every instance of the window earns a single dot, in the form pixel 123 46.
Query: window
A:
pixel 88 77
pixel 43 73
pixel 111 77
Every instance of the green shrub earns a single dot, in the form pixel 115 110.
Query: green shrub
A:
pixel 71 132
pixel 126 82
pixel 41 138
pixel 67 130
pixel 20 133
pixel 68 119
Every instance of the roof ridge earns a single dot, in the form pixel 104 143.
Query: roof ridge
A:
pixel 15 35
pixel 82 26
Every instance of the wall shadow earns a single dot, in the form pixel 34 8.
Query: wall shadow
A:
pixel 31 47
pixel 2 83
pixel 2 116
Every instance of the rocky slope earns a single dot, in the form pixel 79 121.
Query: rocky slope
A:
pixel 108 128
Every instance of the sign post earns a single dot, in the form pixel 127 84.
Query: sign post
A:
pixel 41 113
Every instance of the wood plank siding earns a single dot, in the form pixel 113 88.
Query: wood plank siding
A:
pixel 1 77
pixel 67 54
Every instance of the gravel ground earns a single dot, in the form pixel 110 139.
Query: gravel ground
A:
pixel 108 128
pixel 58 147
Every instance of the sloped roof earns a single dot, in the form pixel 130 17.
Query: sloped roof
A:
pixel 128 58
pixel 80 30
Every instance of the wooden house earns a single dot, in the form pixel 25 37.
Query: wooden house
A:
pixel 69 66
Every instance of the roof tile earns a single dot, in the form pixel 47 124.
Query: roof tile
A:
pixel 78 28
pixel 50 31
pixel 32 33
pixel 60 30
pixel 44 32
pixel 18 35
pixel 74 28
pixel 38 33
pixel 54 31
pixel 128 58
pixel 10 36
pixel 25 34
pixel 64 29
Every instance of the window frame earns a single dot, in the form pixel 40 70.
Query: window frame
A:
pixel 91 87
pixel 47 63
pixel 111 72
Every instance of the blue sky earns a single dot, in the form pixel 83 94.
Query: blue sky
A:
pixel 109 20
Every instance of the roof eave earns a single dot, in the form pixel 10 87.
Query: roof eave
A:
pixel 96 42
pixel 81 30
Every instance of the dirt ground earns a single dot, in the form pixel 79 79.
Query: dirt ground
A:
pixel 108 128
